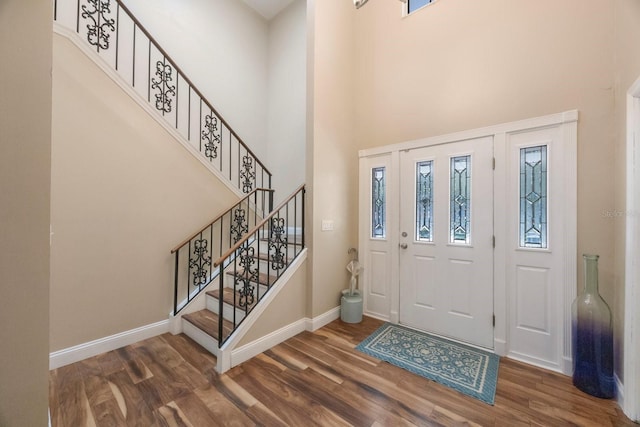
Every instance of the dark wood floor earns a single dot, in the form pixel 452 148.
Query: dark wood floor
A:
pixel 312 379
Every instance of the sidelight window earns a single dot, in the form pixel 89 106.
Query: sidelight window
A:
pixel 378 203
pixel 533 197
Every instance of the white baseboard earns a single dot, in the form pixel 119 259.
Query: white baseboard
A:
pixel 93 348
pixel 247 351
pixel 252 349
pixel 381 317
pixel 499 347
pixel 567 366
pixel 619 391
pixel 540 363
pixel 324 319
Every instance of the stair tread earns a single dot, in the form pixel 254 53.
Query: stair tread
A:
pixel 207 321
pixel 228 297
pixel 263 278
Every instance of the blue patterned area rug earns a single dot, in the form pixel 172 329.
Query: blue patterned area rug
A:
pixel 466 369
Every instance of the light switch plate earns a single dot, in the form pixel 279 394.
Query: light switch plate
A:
pixel 327 225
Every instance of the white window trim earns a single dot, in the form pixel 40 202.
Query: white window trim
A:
pixel 629 396
pixel 568 120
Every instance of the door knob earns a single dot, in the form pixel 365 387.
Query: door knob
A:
pixel 403 246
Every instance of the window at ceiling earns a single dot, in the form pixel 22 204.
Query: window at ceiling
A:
pixel 413 5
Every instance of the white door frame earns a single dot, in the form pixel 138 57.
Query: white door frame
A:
pixel 631 396
pixel 388 258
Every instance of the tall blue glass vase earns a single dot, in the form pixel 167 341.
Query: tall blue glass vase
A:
pixel 592 337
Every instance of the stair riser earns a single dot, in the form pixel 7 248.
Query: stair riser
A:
pixel 227 313
pixel 196 334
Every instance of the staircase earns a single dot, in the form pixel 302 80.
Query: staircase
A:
pixel 240 294
pixel 230 267
pixel 244 275
pixel 109 33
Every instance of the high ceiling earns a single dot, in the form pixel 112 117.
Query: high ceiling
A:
pixel 268 8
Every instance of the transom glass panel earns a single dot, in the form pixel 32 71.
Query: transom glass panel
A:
pixel 378 203
pixel 424 201
pixel 414 5
pixel 533 197
pixel 460 199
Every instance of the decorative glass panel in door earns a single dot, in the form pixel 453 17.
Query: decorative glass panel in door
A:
pixel 378 203
pixel 460 199
pixel 533 197
pixel 424 201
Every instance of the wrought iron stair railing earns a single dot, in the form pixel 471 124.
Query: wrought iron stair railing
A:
pixel 193 257
pixel 254 264
pixel 125 44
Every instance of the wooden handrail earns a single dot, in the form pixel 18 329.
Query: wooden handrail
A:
pixel 186 79
pixel 224 256
pixel 187 240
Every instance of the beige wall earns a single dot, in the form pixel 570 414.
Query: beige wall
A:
pixel 222 45
pixel 287 80
pixel 627 69
pixel 25 153
pixel 459 65
pixel 288 307
pixel 332 168
pixel 124 193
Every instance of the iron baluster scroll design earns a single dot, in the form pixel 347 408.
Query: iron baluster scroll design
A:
pixel 211 137
pixel 193 267
pixel 247 277
pixel 200 263
pixel 278 244
pixel 247 174
pixel 155 79
pixel 100 24
pixel 166 91
pixel 260 259
pixel 239 227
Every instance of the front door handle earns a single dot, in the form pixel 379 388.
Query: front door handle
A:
pixel 403 246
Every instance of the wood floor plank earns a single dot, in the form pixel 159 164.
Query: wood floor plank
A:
pixel 72 407
pixel 137 370
pixel 220 408
pixel 135 401
pixel 191 352
pixel 356 404
pixel 317 365
pixel 199 414
pixel 422 408
pixel 171 415
pixel 96 386
pixel 285 401
pixel 110 362
pixel 314 378
pixel 247 403
pixel 108 414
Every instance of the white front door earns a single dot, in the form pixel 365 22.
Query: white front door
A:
pixel 446 240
